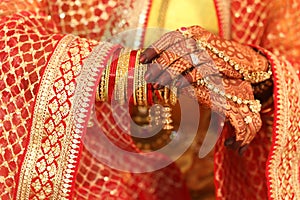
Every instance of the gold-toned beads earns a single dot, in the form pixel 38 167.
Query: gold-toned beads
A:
pixel 254 105
pixel 253 77
pixel 139 85
pixel 121 76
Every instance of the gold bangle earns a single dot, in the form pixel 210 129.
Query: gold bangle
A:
pixel 135 78
pixel 97 97
pixel 143 84
pixel 100 93
pixel 166 95
pixel 173 94
pixel 106 79
pixel 139 86
pixel 121 76
pixel 101 87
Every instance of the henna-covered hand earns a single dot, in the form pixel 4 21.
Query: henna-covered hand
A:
pixel 176 57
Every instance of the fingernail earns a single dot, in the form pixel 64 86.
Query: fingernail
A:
pixel 148 76
pixel 242 150
pixel 228 142
pixel 143 58
pixel 156 86
pixel 178 84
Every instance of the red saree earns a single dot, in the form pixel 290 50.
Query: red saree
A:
pixel 47 90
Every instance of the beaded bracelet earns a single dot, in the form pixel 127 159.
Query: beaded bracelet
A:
pixel 254 105
pixel 253 77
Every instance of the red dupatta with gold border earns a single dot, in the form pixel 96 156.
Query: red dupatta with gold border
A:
pixel 271 162
pixel 47 94
pixel 41 123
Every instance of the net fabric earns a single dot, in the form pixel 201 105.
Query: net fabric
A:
pixel 241 171
pixel 264 23
pixel 83 18
pixel 97 180
pixel 273 25
pixel 8 7
pixel 26 43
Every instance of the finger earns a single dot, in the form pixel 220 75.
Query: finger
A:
pixel 161 73
pixel 193 74
pixel 187 79
pixel 249 135
pixel 232 143
pixel 253 127
pixel 159 46
pixel 153 71
pixel 162 65
pixel 184 47
pixel 148 55
pixel 242 149
pixel 178 67
pixel 163 80
pixel 167 58
pixel 229 141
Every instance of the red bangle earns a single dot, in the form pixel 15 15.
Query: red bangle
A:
pixel 112 73
pixel 131 67
pixel 149 95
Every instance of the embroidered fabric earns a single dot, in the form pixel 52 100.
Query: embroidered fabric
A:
pixel 29 40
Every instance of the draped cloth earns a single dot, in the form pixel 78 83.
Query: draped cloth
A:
pixel 47 91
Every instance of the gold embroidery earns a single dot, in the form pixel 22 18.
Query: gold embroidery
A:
pixel 283 166
pixel 85 84
pixel 37 131
pixel 223 12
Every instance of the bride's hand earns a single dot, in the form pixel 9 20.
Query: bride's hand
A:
pixel 213 66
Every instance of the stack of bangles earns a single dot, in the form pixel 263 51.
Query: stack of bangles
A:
pixel 123 78
pixel 123 81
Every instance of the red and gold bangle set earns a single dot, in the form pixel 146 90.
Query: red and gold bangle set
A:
pixel 123 81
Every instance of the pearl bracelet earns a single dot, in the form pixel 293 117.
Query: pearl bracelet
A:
pixel 253 77
pixel 254 105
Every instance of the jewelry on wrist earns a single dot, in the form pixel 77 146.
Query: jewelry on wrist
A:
pixel 121 76
pixel 254 105
pixel 253 77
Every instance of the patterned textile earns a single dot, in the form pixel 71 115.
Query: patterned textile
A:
pixel 46 90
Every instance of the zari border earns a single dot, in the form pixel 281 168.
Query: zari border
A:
pixel 84 97
pixel 140 23
pixel 223 14
pixel 145 18
pixel 37 126
pixel 284 182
